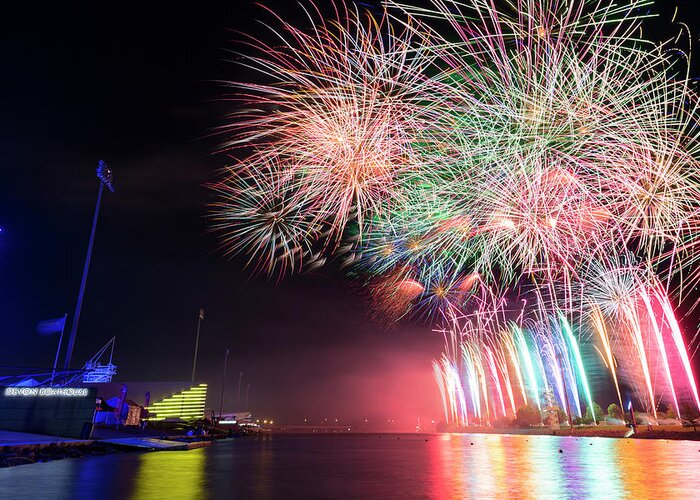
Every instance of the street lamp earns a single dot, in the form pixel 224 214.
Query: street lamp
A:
pixel 106 176
pixel 196 343
pixel 223 383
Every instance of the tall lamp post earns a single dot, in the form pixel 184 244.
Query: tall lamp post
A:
pixel 104 173
pixel 196 342
pixel 223 383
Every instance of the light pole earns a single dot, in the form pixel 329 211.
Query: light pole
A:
pixel 196 342
pixel 106 177
pixel 223 383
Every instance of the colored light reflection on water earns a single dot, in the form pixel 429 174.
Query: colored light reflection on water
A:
pixel 449 466
pixel 487 466
pixel 161 474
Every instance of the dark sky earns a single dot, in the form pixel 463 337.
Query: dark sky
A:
pixel 134 85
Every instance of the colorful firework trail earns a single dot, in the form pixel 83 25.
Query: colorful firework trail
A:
pixel 335 122
pixel 526 176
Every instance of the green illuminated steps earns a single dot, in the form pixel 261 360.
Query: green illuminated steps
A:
pixel 186 405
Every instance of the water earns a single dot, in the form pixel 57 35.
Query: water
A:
pixel 376 466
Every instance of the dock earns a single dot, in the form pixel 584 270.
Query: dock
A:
pixel 154 444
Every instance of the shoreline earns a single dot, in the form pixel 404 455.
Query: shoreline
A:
pixel 668 432
pixel 12 455
pixel 27 453
pixel 664 432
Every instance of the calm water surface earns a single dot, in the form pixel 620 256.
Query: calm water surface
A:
pixel 376 466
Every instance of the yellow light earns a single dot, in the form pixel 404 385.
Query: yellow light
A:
pixel 179 475
pixel 187 404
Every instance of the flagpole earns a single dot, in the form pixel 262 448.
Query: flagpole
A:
pixel 58 349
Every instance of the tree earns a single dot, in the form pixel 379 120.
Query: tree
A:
pixel 690 415
pixel 615 412
pixel 561 415
pixel 529 414
pixel 502 423
pixel 597 411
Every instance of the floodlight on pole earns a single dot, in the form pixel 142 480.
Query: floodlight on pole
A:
pixel 106 177
pixel 196 342
pixel 223 383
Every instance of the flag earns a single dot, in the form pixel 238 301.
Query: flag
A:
pixel 51 326
pixel 120 405
pixel 201 313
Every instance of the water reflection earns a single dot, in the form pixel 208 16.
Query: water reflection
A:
pixel 545 477
pixel 449 466
pixel 172 475
pixel 491 466
pixel 599 478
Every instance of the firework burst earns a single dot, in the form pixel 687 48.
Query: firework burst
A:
pixel 526 175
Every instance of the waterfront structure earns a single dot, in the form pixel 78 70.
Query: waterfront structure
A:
pixel 184 405
pixel 95 371
pixel 56 411
pixel 172 401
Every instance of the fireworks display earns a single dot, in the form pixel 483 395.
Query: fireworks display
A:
pixel 523 175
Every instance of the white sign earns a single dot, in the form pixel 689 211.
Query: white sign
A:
pixel 46 392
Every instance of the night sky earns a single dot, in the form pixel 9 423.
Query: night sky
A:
pixel 136 87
